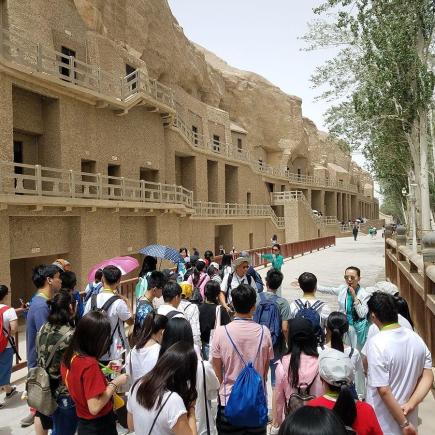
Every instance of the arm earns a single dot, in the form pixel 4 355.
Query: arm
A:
pixel 328 290
pixel 130 422
pixel 423 387
pixel 268 257
pixel 217 366
pixel 186 424
pixel 278 411
pixel 223 302
pixel 284 326
pixel 96 404
pixel 360 302
pixel 194 323
pixel 13 325
pixel 395 409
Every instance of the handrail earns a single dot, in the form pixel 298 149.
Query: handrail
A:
pixel 20 50
pixel 20 178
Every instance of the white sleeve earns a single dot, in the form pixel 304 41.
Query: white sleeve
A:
pixel 224 284
pixel 87 307
pixel 211 381
pixel 378 374
pixel 11 314
pixel 428 359
pixel 122 310
pixel 173 410
pixel 328 290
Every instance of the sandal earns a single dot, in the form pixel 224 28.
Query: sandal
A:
pixel 11 393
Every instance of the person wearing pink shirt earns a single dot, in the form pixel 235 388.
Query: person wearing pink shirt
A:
pixel 299 366
pixel 199 277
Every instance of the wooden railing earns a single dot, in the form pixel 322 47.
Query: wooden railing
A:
pixel 36 180
pixel 414 274
pixel 16 48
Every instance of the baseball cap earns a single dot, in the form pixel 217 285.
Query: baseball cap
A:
pixel 335 368
pixel 63 264
pixel 215 265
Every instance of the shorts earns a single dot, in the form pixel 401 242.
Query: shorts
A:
pixel 97 426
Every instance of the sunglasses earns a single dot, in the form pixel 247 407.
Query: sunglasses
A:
pixel 350 277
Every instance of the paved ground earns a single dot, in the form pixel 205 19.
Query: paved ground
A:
pixel 329 266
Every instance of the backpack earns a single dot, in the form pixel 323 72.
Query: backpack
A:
pixel 247 404
pixel 105 308
pixel 300 398
pixel 141 286
pixel 3 333
pixel 257 278
pixel 39 394
pixel 172 314
pixel 230 280
pixel 94 289
pixel 267 314
pixel 196 297
pixel 311 313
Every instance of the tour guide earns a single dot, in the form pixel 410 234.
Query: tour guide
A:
pixel 352 300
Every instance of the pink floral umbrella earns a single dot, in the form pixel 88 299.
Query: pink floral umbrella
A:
pixel 125 264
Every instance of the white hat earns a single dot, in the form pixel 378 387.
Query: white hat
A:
pixel 335 367
pixel 215 265
pixel 387 287
pixel 238 261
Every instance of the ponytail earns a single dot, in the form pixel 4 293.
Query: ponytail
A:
pixel 337 325
pixel 345 406
pixel 337 340
pixel 152 324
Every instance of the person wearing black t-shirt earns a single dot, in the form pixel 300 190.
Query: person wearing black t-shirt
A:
pixel 207 315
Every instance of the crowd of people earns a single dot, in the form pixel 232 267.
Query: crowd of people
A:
pixel 193 354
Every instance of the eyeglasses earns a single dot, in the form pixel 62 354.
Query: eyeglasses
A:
pixel 350 277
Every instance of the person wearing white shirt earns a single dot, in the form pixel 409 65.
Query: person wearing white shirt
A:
pixel 118 312
pixel 352 300
pixel 191 313
pixel 172 297
pixel 399 369
pixel 238 276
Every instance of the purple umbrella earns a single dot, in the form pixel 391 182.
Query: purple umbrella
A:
pixel 125 264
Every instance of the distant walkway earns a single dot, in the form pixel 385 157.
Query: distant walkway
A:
pixel 329 265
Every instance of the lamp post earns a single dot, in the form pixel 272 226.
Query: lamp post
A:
pixel 413 221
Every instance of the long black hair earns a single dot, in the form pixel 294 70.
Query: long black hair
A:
pixel 403 309
pixel 199 267
pixel 177 329
pixel 226 261
pixel 337 324
pixel 91 337
pixel 152 324
pixel 345 406
pixel 148 265
pixel 312 420
pixel 301 340
pixel 175 372
pixel 60 308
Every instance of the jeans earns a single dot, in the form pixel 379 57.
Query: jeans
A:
pixel 205 351
pixel 272 366
pixel 64 418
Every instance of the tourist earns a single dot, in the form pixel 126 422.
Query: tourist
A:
pixel 211 315
pixel 189 307
pixel 190 266
pixel 82 375
pixel 253 273
pixel 198 279
pixel 226 262
pixel 178 330
pixel 337 326
pixel 69 282
pixel 213 273
pixel 233 253
pixel 355 229
pixel 172 297
pixel 274 239
pixel 8 329
pixel 399 369
pixel 264 312
pixel 252 342
pixel 233 280
pixel 117 310
pixel 149 265
pixel 352 300
pixel 181 265
pixel 143 356
pixel 163 401
pixel 62 264
pixel 309 420
pixel 95 286
pixel 145 304
pixel 275 257
pixel 208 257
pixel 58 329
pixel 337 372
pixel 298 367
pixel 308 284
pixel 221 250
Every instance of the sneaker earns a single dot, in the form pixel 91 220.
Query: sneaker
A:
pixel 27 421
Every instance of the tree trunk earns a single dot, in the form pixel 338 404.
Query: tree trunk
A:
pixel 424 174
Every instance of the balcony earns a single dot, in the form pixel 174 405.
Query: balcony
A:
pixel 45 63
pixel 47 186
pixel 220 210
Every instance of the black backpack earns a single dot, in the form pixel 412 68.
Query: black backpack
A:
pixel 230 280
pixel 105 309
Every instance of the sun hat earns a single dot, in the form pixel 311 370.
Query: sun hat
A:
pixel 386 287
pixel 238 261
pixel 336 368
pixel 214 264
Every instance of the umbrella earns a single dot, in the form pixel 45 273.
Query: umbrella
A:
pixel 161 251
pixel 125 264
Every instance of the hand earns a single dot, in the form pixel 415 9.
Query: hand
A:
pixel 115 365
pixel 407 408
pixel 409 430
pixel 121 380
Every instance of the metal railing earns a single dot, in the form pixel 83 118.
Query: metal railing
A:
pixel 233 152
pixel 16 48
pixel 216 209
pixel 36 180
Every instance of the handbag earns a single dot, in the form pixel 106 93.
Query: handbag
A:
pixel 39 394
pixel 217 323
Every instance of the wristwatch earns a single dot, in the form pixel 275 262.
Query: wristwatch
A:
pixel 404 424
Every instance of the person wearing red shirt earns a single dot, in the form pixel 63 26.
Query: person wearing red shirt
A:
pixel 337 372
pixel 83 377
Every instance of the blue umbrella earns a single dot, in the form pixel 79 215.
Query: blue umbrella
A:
pixel 161 251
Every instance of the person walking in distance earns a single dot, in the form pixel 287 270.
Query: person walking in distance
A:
pixel 355 230
pixel 399 369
